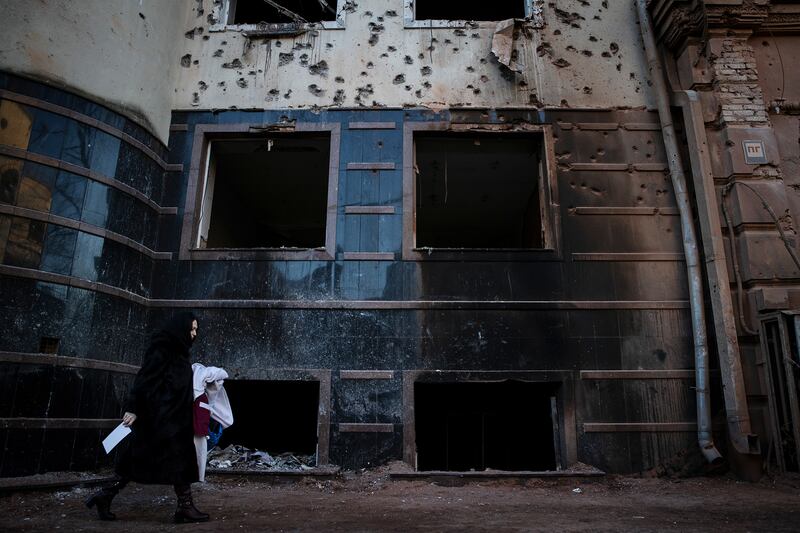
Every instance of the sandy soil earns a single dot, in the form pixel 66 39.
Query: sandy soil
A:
pixel 370 501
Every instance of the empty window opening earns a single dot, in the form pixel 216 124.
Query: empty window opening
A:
pixel 273 416
pixel 48 345
pixel 478 190
pixel 475 426
pixel 270 192
pixel 281 11
pixel 469 10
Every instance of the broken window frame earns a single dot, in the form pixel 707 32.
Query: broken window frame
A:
pixel 533 12
pixel 225 10
pixel 196 194
pixel 548 196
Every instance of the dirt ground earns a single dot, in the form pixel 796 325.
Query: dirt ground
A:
pixel 370 501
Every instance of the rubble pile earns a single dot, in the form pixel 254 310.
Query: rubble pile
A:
pixel 235 457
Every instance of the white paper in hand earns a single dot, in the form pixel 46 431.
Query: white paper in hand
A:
pixel 114 438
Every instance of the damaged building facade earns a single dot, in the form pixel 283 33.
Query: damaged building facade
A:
pixel 443 233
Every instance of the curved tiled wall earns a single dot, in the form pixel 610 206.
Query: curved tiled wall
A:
pixel 80 198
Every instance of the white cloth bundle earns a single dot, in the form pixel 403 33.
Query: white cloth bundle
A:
pixel 209 380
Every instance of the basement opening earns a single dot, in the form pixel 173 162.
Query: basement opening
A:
pixel 266 192
pixel 478 190
pixel 509 425
pixel 280 11
pixel 273 416
pixel 469 10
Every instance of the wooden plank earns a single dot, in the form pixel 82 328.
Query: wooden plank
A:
pixel 366 374
pixel 370 166
pixel 369 210
pixel 638 374
pixel 371 125
pixel 366 428
pixel 58 423
pixel 71 362
pixel 639 427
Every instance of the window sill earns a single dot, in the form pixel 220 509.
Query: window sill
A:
pixel 259 254
pixel 277 29
pixel 481 254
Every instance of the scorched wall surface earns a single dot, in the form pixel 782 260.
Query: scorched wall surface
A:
pixel 609 295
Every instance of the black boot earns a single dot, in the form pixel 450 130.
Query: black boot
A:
pixel 186 511
pixel 102 499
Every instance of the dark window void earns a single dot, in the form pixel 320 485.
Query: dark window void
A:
pixel 48 345
pixel 267 193
pixel 255 11
pixel 478 191
pixel 475 426
pixel 469 10
pixel 781 384
pixel 273 416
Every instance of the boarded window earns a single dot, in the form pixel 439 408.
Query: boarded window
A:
pixel 281 11
pixel 266 192
pixel 477 10
pixel 478 190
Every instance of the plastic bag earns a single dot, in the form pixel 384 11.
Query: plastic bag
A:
pixel 214 434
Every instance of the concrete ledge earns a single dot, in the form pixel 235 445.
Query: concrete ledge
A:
pixel 38 482
pixel 323 472
pixel 498 474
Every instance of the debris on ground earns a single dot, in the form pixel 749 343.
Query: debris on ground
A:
pixel 237 457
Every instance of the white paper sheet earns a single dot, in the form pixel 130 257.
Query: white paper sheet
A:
pixel 114 438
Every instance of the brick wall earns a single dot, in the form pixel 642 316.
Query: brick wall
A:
pixel 736 85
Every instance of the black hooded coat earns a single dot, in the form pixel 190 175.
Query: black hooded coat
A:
pixel 160 448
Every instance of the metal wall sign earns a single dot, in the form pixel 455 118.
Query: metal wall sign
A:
pixel 754 152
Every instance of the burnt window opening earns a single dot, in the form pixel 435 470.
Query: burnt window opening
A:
pixel 478 190
pixel 273 416
pixel 48 345
pixel 478 426
pixel 281 11
pixel 266 192
pixel 477 10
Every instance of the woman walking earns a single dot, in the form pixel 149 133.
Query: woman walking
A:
pixel 160 448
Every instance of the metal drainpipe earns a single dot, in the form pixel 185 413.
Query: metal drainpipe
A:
pixel 704 437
